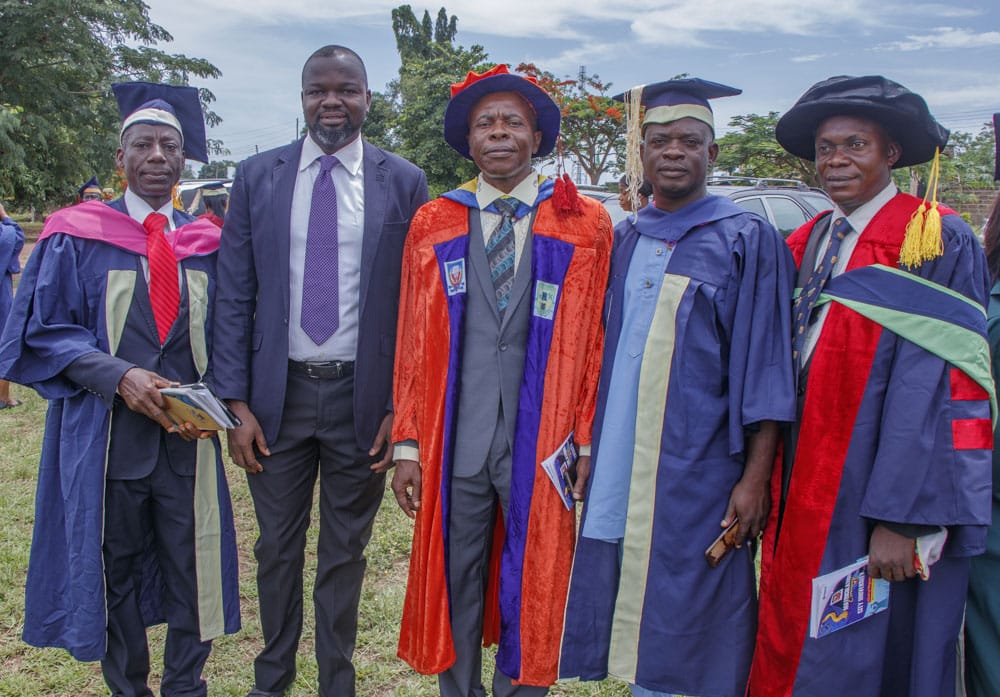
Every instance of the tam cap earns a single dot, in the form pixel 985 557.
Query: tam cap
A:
pixel 176 106
pixel 465 94
pixel 902 113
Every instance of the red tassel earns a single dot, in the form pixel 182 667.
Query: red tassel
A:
pixel 565 197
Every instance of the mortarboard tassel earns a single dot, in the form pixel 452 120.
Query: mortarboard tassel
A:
pixel 633 137
pixel 923 233
pixel 175 194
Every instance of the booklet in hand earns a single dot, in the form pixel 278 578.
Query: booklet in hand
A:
pixel 197 404
pixel 561 468
pixel 845 596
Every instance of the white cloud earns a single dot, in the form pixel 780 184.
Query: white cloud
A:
pixel 810 58
pixel 944 37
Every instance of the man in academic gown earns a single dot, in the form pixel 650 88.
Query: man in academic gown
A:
pixel 133 525
pixel 496 367
pixel 90 191
pixel 697 371
pixel 889 457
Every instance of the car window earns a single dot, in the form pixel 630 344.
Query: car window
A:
pixel 788 216
pixel 819 202
pixel 754 205
pixel 614 210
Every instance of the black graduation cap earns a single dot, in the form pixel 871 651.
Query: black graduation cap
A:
pixel 172 105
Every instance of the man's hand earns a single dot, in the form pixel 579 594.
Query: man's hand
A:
pixel 244 437
pixel 582 475
pixel 140 389
pixel 890 555
pixel 406 486
pixel 750 501
pixel 382 440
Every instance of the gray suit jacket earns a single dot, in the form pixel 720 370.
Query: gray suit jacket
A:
pixel 492 356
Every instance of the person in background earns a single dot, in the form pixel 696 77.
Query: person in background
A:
pixel 625 201
pixel 11 243
pixel 982 611
pixel 133 522
pixel 90 191
pixel 215 198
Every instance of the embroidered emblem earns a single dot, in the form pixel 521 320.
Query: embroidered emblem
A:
pixel 545 299
pixel 455 272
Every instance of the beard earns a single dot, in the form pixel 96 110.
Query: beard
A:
pixel 332 138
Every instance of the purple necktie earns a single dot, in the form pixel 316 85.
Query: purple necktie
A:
pixel 320 282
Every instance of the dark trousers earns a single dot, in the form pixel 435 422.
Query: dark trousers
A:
pixel 160 508
pixel 474 503
pixel 316 438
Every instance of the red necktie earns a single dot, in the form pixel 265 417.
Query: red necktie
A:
pixel 164 293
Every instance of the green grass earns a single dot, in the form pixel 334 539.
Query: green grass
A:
pixel 25 670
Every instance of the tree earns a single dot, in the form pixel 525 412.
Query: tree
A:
pixel 58 119
pixel 216 170
pixel 408 116
pixel 753 151
pixel 593 128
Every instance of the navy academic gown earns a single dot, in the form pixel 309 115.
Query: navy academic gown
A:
pixel 716 360
pixel 83 296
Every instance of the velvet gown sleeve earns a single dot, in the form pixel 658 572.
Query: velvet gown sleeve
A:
pixel 931 467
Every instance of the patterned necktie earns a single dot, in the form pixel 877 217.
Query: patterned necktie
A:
pixel 500 252
pixel 804 304
pixel 164 291
pixel 320 278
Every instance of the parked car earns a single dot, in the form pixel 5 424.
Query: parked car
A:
pixel 786 203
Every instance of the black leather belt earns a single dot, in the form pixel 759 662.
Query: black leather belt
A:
pixel 327 370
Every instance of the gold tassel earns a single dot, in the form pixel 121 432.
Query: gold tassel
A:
pixel 923 233
pixel 634 174
pixel 175 194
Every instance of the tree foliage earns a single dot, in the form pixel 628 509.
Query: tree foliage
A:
pixel 407 118
pixel 58 118
pixel 752 151
pixel 593 127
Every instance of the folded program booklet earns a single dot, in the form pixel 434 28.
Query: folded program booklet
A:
pixel 561 468
pixel 197 404
pixel 845 596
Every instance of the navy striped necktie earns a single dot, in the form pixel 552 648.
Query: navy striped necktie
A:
pixel 806 302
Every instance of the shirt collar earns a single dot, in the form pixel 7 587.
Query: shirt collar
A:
pixel 864 213
pixel 349 156
pixel 138 209
pixel 526 191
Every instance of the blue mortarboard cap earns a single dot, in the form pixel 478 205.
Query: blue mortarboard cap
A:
pixel 172 105
pixel 91 185
pixel 677 99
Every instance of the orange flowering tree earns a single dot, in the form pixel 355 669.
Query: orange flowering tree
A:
pixel 593 124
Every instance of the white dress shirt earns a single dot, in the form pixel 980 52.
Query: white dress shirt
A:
pixel 859 220
pixel 348 178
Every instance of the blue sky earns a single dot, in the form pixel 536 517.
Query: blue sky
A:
pixel 773 50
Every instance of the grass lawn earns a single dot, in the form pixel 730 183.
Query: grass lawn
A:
pixel 27 671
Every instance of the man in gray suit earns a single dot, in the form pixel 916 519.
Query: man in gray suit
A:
pixel 496 368
pixel 306 325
